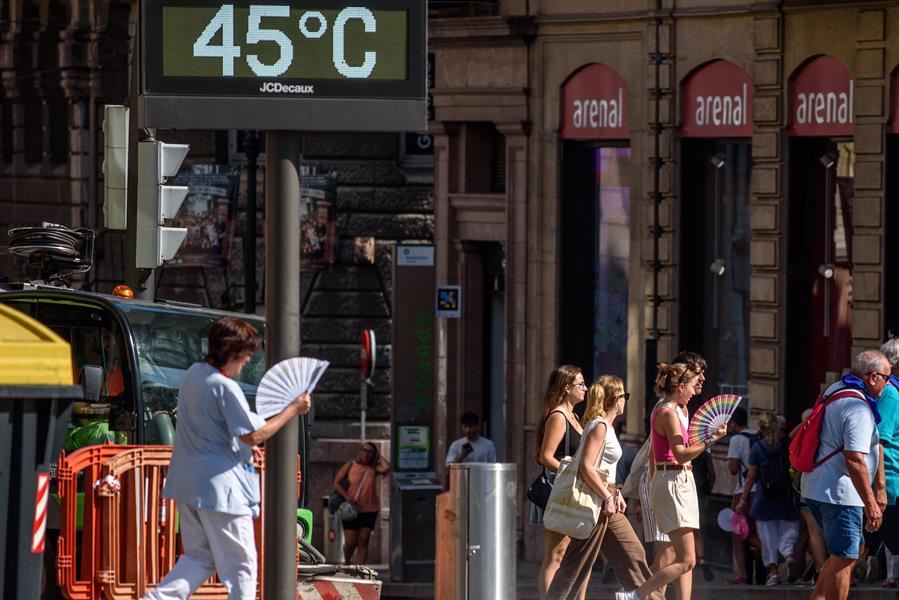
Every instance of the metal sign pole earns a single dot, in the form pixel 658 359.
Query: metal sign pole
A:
pixel 363 396
pixel 282 324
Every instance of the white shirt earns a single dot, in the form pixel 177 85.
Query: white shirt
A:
pixel 483 450
pixel 739 448
pixel 611 451
pixel 211 467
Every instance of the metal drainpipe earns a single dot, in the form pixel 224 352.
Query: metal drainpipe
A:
pixel 652 344
pixel 656 176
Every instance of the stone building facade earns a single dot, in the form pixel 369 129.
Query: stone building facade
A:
pixel 711 176
pixel 61 62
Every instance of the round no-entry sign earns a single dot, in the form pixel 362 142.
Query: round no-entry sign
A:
pixel 367 353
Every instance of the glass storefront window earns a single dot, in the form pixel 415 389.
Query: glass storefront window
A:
pixel 837 312
pixel 610 281
pixel 714 280
pixel 732 343
pixel 819 278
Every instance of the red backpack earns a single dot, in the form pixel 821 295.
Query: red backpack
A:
pixel 804 445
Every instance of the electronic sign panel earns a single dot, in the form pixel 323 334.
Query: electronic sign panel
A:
pixel 320 65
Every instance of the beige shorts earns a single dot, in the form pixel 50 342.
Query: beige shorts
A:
pixel 674 502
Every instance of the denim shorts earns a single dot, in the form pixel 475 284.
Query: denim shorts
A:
pixel 841 525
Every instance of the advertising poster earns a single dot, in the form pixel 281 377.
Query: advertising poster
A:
pixel 208 215
pixel 318 225
pixel 414 447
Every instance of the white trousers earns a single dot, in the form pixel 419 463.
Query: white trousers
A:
pixel 214 542
pixel 778 535
pixel 892 564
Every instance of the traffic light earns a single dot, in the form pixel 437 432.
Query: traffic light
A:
pixel 115 166
pixel 156 202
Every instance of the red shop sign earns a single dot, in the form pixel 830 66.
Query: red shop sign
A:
pixel 594 105
pixel 893 126
pixel 821 99
pixel 717 102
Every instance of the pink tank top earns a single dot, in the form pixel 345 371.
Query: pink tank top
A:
pixel 661 450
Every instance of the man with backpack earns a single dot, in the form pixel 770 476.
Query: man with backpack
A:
pixel 742 439
pixel 838 486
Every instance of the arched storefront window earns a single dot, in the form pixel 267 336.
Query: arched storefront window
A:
pixel 821 195
pixel 716 160
pixel 595 221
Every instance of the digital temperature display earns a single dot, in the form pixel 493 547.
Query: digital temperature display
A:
pixel 321 49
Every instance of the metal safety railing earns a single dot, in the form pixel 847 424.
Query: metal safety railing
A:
pixel 129 535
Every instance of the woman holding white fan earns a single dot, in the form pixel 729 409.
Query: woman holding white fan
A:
pixel 211 476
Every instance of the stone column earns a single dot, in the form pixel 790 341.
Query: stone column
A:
pixel 516 348
pixel 445 168
pixel 665 295
pixel 871 98
pixel 768 212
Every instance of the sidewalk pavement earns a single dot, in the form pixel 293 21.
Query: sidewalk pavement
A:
pixel 702 590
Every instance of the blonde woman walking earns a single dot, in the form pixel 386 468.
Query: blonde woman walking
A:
pixel 613 535
pixel 558 435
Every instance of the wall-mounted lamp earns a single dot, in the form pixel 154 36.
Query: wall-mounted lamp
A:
pixel 717 160
pixel 827 270
pixel 718 267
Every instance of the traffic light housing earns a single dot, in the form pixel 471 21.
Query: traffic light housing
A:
pixel 156 201
pixel 115 166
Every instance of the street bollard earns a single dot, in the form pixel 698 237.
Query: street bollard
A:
pixel 476 533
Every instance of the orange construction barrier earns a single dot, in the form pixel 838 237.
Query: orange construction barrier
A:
pixel 129 539
pixel 77 566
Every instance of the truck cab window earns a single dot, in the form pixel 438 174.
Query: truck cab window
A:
pixel 167 343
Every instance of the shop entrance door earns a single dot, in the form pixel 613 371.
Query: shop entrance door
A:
pixel 595 252
pixel 819 268
pixel 714 264
pixel 891 242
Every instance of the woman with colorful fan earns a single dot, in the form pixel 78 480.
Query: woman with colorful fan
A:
pixel 674 500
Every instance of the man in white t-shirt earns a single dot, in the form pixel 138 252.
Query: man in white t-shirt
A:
pixel 473 447
pixel 839 490
pixel 741 442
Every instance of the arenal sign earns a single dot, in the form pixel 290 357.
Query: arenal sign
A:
pixel 594 105
pixel 717 101
pixel 822 93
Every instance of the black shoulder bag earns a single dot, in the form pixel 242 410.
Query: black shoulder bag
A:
pixel 539 490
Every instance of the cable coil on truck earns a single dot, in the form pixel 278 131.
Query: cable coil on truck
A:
pixel 55 251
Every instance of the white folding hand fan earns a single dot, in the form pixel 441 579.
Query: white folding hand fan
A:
pixel 285 381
